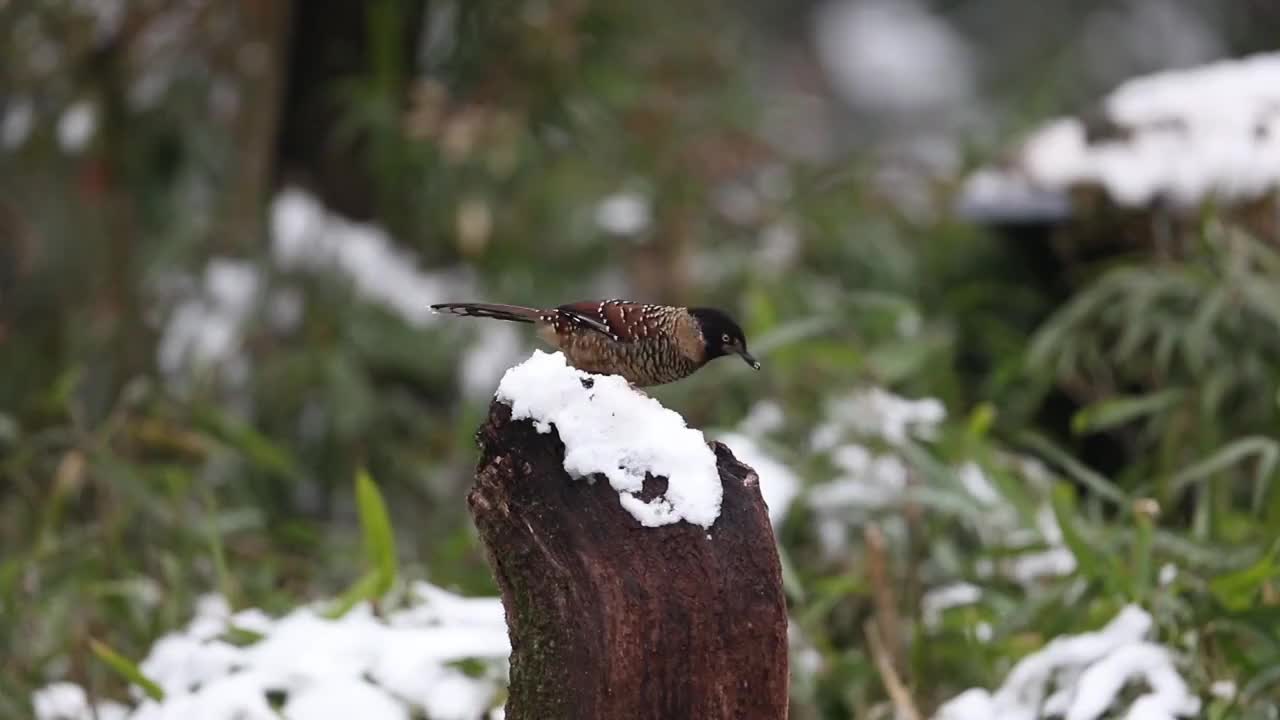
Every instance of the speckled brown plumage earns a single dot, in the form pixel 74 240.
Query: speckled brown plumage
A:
pixel 644 343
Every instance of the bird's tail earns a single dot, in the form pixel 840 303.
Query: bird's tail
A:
pixel 513 313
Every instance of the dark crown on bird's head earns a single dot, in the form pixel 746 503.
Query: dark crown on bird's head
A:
pixel 722 334
pixel 715 325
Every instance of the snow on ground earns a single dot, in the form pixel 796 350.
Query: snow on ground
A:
pixel 498 346
pixel 877 413
pixel 1182 136
pixel 1081 677
pixel 19 118
pixel 860 45
pixel 393 667
pixel 764 417
pixel 863 435
pixel 77 125
pixel 610 429
pixel 305 236
pixel 624 213
pixel 205 328
pixel 1003 527
pixel 866 480
pixel 937 601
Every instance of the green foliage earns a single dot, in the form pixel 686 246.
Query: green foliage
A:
pixel 128 490
pixel 379 548
pixel 126 669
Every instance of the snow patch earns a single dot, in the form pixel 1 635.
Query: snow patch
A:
pixel 624 213
pixel 863 45
pixel 204 330
pixel 610 429
pixel 68 701
pixel 306 237
pixel 497 348
pixel 765 417
pixel 878 413
pixel 939 600
pixel 868 482
pixel 19 117
pixel 360 665
pixel 77 125
pixel 1081 677
pixel 1182 136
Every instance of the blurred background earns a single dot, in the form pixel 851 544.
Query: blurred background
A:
pixel 221 224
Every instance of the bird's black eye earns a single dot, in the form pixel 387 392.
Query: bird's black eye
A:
pixel 727 340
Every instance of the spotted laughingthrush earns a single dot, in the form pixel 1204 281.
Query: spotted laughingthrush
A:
pixel 646 344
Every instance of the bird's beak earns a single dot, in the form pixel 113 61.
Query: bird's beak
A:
pixel 748 359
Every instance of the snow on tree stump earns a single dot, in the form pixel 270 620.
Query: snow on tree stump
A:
pixel 632 602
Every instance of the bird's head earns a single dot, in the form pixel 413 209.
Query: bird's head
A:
pixel 722 335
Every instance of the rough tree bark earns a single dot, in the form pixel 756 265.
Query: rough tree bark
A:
pixel 609 619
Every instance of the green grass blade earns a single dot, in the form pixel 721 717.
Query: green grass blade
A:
pixel 1101 486
pixel 1092 563
pixel 1113 412
pixel 126 669
pixel 379 537
pixel 1265 449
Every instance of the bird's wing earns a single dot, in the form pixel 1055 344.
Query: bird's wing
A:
pixel 585 314
pixel 621 320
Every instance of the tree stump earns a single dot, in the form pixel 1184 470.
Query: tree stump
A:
pixel 609 619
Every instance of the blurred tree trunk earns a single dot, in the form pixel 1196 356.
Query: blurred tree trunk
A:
pixel 333 44
pixel 119 340
pixel 261 71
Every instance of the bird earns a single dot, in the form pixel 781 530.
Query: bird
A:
pixel 644 343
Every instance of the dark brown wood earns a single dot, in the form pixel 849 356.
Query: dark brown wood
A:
pixel 612 620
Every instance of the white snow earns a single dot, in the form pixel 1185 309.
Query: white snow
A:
pixel 1185 136
pixel 19 117
pixel 1081 677
pixel 612 430
pixel 1223 689
pixel 205 327
pixel 871 478
pixel 778 484
pixel 204 330
pixel 779 246
pixel 624 213
pixel 1030 568
pixel 343 699
pixel 939 600
pixel 877 413
pixel 77 125
pixel 498 347
pixel 381 668
pixel 68 701
pixel 977 484
pixel 764 417
pixel 305 236
pixel 868 481
pixel 892 55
